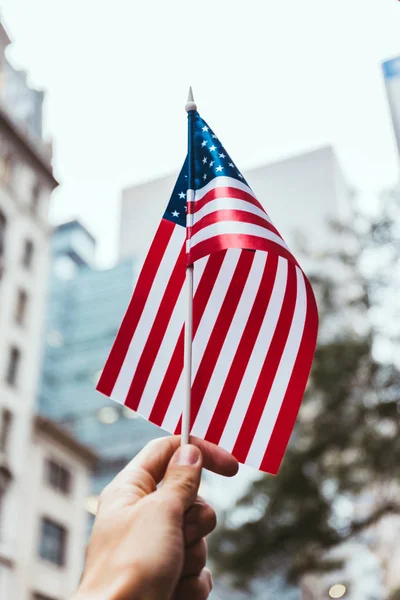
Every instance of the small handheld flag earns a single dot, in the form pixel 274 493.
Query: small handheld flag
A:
pixel 250 313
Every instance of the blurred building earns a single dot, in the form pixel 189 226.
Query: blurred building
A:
pixel 44 474
pixel 85 309
pixel 391 73
pixel 53 524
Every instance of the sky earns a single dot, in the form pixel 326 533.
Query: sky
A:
pixel 271 78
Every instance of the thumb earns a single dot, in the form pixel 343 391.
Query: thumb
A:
pixel 182 479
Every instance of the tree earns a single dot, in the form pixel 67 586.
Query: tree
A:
pixel 346 441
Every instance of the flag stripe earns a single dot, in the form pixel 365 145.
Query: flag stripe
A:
pixel 244 351
pixel 223 182
pixel 205 286
pixel 205 283
pixel 245 242
pixel 236 228
pixel 211 310
pixel 224 192
pixel 281 381
pixel 295 390
pixel 174 369
pixel 157 332
pixel 268 371
pixel 222 203
pixel 222 322
pixel 135 308
pixel 256 360
pixel 228 215
pixel 236 330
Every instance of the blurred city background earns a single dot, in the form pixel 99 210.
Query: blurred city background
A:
pixel 306 96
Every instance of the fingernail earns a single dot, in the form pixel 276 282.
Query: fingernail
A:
pixel 187 455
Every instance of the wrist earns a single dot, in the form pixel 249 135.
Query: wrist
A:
pixel 117 590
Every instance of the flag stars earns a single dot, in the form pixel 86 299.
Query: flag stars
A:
pixel 222 155
pixel 214 136
pixel 175 213
pixel 182 195
pixel 205 176
pixel 219 169
pixel 231 164
pixel 211 163
pixel 240 175
pixel 204 160
pixel 213 148
pixel 203 143
pixel 205 128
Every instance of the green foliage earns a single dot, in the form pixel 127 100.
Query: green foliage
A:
pixel 347 438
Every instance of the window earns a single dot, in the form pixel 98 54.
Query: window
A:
pixel 36 191
pixel 58 476
pixel 27 255
pixel 6 420
pixel 14 360
pixel 53 538
pixel 3 223
pixel 20 307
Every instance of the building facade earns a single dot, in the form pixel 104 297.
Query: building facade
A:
pixel 44 473
pixel 26 182
pixel 86 306
pixel 53 524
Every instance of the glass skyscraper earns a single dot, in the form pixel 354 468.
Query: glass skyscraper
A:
pixel 85 309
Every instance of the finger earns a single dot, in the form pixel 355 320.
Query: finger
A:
pixel 194 588
pixel 154 458
pixel 195 558
pixel 200 520
pixel 182 479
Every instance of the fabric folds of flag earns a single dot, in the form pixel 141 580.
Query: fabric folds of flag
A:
pixel 254 316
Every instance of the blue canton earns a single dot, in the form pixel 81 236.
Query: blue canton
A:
pixel 210 160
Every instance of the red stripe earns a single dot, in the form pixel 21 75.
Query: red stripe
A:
pixel 202 296
pixel 157 332
pixel 175 367
pixel 268 371
pixel 294 393
pixel 219 332
pixel 243 352
pixel 238 240
pixel 132 316
pixel 226 214
pixel 226 192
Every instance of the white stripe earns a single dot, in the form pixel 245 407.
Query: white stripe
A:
pixel 229 204
pixel 150 310
pixel 230 346
pixel 213 307
pixel 174 411
pixel 235 227
pixel 257 358
pixel 282 377
pixel 222 182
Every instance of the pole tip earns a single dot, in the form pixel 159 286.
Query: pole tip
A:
pixel 191 104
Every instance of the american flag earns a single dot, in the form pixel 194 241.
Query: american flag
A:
pixel 254 316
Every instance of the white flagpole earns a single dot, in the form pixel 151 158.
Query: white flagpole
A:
pixel 191 105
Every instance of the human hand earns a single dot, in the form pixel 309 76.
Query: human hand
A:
pixel 149 543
